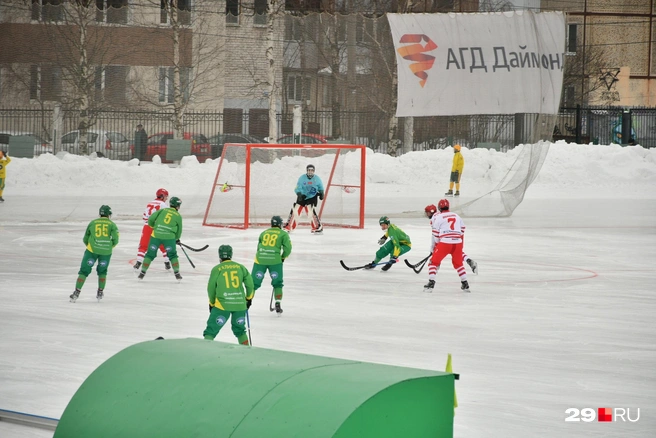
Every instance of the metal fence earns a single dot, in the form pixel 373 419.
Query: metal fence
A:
pixel 583 125
pixel 603 125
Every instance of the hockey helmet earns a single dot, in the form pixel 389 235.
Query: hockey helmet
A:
pixel 105 210
pixel 175 202
pixel 225 252
pixel 276 221
pixel 443 205
pixel 309 170
pixel 383 220
pixel 430 210
pixel 162 193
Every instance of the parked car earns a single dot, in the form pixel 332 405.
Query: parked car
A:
pixel 305 139
pixel 41 146
pixel 200 146
pixel 110 144
pixel 217 141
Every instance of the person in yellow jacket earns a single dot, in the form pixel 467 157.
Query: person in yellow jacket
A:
pixel 456 171
pixel 4 160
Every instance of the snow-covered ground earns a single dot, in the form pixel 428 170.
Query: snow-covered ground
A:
pixel 561 315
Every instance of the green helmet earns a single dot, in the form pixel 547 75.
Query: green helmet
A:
pixel 383 220
pixel 105 210
pixel 175 202
pixel 225 252
pixel 276 221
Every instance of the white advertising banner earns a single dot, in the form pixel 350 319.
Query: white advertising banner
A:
pixel 478 63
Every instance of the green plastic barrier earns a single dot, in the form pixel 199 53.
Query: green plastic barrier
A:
pixel 196 388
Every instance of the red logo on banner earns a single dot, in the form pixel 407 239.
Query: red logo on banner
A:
pixel 604 414
pixel 415 52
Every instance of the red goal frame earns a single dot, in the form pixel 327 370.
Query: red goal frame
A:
pixel 246 186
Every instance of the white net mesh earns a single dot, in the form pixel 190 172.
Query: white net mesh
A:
pixel 509 193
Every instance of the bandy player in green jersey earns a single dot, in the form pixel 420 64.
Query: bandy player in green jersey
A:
pixel 167 229
pixel 398 244
pixel 273 247
pixel 100 239
pixel 225 290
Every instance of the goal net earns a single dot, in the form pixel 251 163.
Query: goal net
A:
pixel 257 181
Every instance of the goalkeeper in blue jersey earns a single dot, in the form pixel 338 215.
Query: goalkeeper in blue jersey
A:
pixel 308 188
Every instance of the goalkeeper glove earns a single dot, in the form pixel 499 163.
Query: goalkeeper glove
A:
pixel 382 240
pixel 300 199
pixel 321 195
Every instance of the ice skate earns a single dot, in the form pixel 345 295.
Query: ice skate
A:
pixel 178 277
pixel 428 287
pixel 142 274
pixel 388 265
pixel 473 265
pixel 99 295
pixel 1 199
pixel 464 285
pixel 167 266
pixel 137 266
pixel 317 231
pixel 449 193
pixel 370 265
pixel 75 295
pixel 278 308
pixel 457 193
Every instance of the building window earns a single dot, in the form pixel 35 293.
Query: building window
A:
pixel 111 84
pixel 112 11
pixel 233 9
pixel 184 11
pixel 293 28
pixel 571 37
pixel 260 16
pixel 47 10
pixel 45 82
pixel 570 96
pixel 298 89
pixel 166 78
pixel 327 98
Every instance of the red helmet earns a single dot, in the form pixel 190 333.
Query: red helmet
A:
pixel 162 193
pixel 430 210
pixel 443 205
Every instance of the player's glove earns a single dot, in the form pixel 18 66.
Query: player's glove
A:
pixel 177 242
pixel 382 240
pixel 321 195
pixel 370 265
pixel 248 303
pixel 283 260
pixel 211 307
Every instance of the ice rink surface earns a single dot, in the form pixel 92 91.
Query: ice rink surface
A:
pixel 561 315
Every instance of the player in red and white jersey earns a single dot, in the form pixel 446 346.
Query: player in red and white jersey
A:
pixel 448 231
pixel 154 205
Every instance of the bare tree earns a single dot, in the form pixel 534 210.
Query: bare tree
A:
pixel 74 52
pixel 188 47
pixel 587 72
pixel 275 14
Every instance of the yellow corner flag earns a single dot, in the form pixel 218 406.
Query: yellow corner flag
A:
pixel 449 369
